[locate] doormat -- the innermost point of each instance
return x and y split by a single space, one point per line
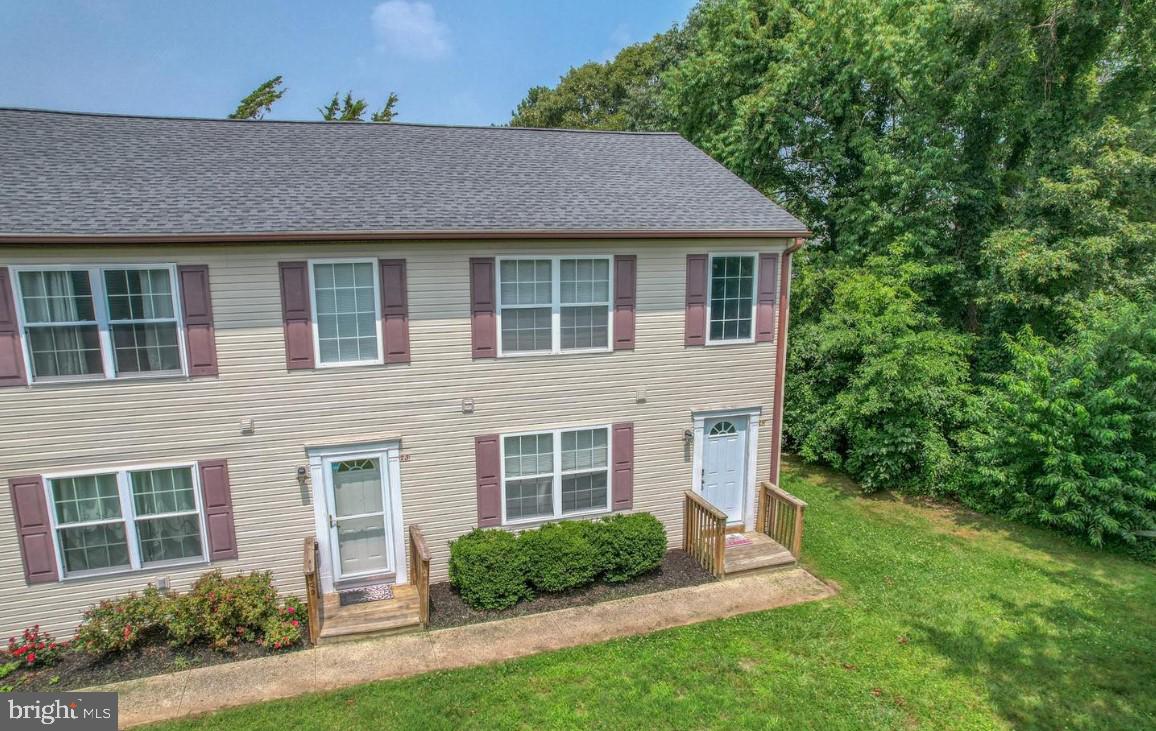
738 539
363 594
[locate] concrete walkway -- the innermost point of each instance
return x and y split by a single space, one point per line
328 667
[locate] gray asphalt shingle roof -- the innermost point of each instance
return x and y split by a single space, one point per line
87 174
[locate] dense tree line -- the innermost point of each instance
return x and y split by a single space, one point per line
975 315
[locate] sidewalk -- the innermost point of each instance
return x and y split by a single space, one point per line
328 667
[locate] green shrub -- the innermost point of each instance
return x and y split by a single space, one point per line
224 610
1067 441
629 545
489 569
561 556
283 629
121 624
217 610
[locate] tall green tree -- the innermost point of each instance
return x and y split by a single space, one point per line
259 101
970 169
1070 436
621 94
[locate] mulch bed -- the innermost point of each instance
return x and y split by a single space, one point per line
678 569
81 670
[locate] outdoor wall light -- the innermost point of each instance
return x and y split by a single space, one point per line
688 437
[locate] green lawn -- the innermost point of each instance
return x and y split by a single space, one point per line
946 620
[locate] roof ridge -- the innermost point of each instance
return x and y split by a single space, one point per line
116 115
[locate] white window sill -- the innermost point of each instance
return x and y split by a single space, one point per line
547 353
716 343
528 523
150 568
166 376
348 364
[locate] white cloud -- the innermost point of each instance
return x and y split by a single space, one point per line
410 28
619 39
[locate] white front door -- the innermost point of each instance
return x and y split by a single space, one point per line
724 464
357 492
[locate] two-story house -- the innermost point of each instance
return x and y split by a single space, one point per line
221 338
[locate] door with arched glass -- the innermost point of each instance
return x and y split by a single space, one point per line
724 464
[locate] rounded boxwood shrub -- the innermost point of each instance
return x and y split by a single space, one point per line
629 545
488 568
561 556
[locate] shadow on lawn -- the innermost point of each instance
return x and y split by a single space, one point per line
1058 667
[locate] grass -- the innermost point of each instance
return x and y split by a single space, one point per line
946 620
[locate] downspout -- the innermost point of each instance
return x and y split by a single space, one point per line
781 357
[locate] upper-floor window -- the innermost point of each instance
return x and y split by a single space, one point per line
346 312
114 321
554 474
554 304
126 519
732 301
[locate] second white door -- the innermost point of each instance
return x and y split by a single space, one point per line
724 464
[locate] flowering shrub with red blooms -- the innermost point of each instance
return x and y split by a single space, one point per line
35 648
225 610
284 630
218 610
121 624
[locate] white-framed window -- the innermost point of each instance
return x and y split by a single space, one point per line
554 304
555 474
346 303
126 519
99 322
732 298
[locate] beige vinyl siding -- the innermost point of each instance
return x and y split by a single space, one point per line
64 427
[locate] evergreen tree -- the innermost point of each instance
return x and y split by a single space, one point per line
259 101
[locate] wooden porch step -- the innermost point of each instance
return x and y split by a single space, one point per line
762 553
356 621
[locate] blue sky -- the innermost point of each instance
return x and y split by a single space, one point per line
450 61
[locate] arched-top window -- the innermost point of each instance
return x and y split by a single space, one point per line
722 428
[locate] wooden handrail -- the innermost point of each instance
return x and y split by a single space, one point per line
419 571
780 516
704 533
313 600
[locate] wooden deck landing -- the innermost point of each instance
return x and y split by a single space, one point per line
384 617
762 553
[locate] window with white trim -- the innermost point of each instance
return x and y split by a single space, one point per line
554 474
554 304
346 312
127 519
81 323
732 298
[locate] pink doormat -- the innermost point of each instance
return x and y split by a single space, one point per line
737 539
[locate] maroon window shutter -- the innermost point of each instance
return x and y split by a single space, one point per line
295 309
483 312
622 480
200 336
696 286
488 463
765 307
11 352
625 294
217 499
30 506
394 311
